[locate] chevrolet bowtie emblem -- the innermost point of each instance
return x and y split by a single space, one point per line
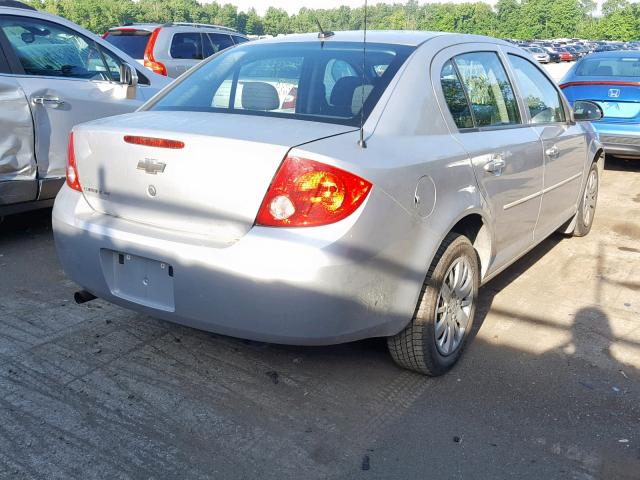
151 166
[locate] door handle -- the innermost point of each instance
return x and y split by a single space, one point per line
552 152
495 165
53 101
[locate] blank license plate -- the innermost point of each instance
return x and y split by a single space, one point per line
143 280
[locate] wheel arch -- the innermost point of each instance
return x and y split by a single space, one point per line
476 227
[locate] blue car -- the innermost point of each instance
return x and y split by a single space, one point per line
612 80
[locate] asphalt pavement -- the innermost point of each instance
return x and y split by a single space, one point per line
549 389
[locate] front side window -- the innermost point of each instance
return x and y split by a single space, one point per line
113 64
186 46
493 102
303 80
455 96
47 49
540 96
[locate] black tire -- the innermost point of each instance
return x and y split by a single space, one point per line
588 199
415 347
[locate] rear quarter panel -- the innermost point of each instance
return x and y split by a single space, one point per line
409 150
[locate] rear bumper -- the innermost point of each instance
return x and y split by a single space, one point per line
622 139
274 285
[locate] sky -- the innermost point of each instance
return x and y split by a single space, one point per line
292 6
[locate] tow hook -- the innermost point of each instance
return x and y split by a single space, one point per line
82 296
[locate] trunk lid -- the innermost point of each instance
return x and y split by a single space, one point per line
619 100
212 187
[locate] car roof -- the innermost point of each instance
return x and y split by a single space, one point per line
412 38
180 25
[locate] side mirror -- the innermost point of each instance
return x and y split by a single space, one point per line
128 75
585 111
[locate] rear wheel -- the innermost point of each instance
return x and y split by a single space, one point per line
433 342
588 202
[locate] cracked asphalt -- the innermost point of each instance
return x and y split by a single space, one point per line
550 388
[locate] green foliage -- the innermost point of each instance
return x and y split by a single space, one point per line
523 19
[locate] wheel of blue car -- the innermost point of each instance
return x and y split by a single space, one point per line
434 339
588 203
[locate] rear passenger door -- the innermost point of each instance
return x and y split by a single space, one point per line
506 153
563 144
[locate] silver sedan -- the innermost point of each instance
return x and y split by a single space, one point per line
304 190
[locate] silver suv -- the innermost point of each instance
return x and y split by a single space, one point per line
173 48
54 75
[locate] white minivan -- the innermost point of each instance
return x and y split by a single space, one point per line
54 75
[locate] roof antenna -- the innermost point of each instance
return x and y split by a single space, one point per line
323 34
361 141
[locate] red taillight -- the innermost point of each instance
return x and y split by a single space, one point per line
105 34
149 60
154 142
306 193
73 180
601 82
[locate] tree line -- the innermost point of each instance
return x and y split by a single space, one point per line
517 19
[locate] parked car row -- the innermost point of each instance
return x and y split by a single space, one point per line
570 50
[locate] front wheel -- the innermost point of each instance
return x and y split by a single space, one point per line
588 202
434 339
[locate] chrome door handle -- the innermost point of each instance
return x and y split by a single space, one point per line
54 101
552 152
496 165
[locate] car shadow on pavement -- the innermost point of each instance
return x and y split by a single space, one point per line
25 224
621 164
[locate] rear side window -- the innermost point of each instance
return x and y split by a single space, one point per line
187 46
303 80
47 49
488 89
455 96
214 42
132 42
239 39
540 96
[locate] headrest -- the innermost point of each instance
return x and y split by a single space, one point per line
604 70
259 96
342 93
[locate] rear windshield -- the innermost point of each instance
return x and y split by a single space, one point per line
305 80
131 42
609 66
